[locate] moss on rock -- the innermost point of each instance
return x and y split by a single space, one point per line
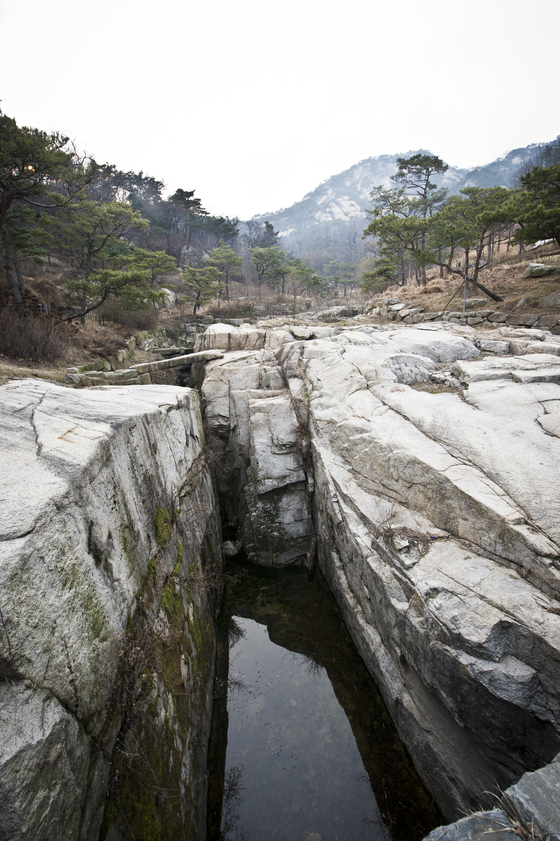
163 527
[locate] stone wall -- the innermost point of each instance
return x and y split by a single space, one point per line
109 570
478 317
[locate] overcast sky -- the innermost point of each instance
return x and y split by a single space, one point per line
253 104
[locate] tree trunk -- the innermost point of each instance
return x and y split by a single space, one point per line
485 290
18 272
9 266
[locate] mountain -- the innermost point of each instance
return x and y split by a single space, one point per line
328 223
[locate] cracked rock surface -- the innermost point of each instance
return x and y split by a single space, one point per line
432 485
85 479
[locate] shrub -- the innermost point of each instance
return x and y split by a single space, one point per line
133 320
231 309
38 338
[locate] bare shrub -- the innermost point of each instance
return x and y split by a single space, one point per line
231 309
39 338
132 320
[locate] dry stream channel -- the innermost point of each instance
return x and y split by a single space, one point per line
302 747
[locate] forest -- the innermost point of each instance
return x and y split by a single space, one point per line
125 246
119 235
415 225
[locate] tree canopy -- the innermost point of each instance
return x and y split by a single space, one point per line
40 170
416 221
536 206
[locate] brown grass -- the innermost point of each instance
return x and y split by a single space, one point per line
31 337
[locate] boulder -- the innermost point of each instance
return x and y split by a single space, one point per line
276 521
337 313
552 300
169 298
492 346
538 270
229 338
546 322
44 761
525 320
535 800
494 824
475 303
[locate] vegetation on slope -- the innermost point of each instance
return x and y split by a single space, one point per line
92 254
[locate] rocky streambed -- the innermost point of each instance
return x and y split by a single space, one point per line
420 468
416 465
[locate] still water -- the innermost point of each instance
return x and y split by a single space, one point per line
303 748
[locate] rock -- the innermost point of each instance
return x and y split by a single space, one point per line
523 334
548 321
87 546
529 810
336 313
307 333
262 439
434 343
437 524
505 369
169 298
535 799
175 362
44 760
480 825
230 549
538 270
525 348
492 346
551 423
475 303
228 338
526 320
552 300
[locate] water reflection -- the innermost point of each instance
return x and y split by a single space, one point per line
311 751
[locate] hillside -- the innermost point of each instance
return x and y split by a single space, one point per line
328 223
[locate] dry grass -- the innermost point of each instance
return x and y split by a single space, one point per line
13 369
504 278
31 337
95 339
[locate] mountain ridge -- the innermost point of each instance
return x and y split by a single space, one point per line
336 208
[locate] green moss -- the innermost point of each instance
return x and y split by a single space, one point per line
173 604
74 579
162 525
147 782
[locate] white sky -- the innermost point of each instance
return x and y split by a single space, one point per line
253 103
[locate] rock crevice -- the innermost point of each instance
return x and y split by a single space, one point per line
432 490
